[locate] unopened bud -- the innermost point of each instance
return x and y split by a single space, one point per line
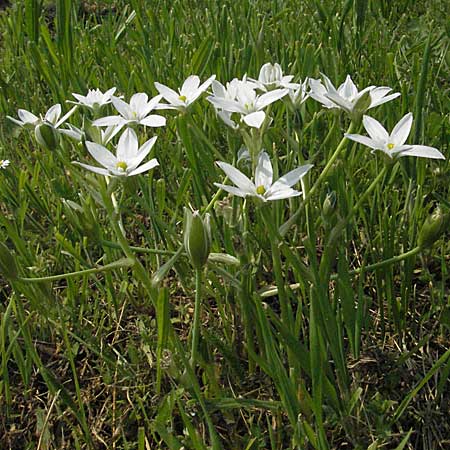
47 136
197 237
8 265
329 206
161 194
433 227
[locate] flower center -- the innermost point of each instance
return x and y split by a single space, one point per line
122 166
390 146
183 98
261 190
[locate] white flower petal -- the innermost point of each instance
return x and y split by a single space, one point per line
101 154
375 129
138 102
109 93
218 89
205 85
27 117
264 171
339 101
270 97
141 154
153 120
17 122
190 85
255 119
423 151
385 99
226 117
401 131
349 90
127 146
232 190
397 149
282 194
80 98
289 179
109 121
238 178
98 170
145 167
363 140
111 131
150 105
52 115
74 134
168 94
226 105
66 116
122 107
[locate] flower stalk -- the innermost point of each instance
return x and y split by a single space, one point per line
124 262
197 311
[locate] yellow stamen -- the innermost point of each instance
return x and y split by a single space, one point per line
390 146
122 166
261 190
183 98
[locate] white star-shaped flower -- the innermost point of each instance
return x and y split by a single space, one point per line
128 156
189 92
393 144
94 99
346 96
52 117
271 77
247 102
4 163
300 94
263 186
137 112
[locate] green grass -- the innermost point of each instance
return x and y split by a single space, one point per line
307 341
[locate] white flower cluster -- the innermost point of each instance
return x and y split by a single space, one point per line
240 103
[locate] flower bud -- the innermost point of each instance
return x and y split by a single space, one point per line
8 265
161 194
197 237
47 136
329 206
433 227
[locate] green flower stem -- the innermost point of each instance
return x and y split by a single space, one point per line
197 310
386 262
286 312
140 271
285 227
116 209
151 251
245 292
125 262
270 292
253 141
